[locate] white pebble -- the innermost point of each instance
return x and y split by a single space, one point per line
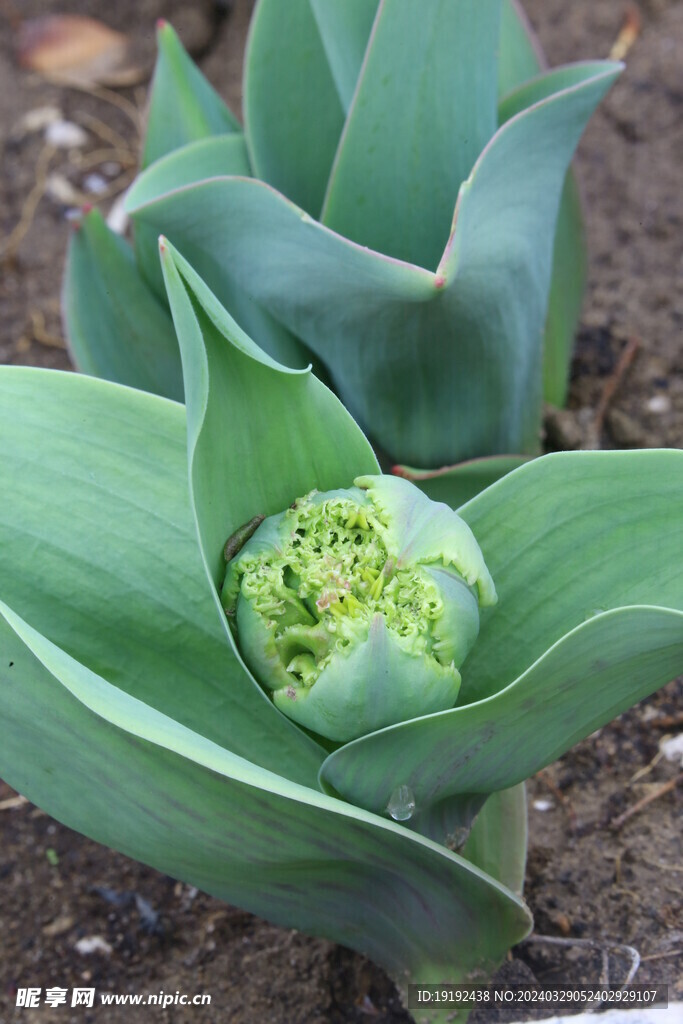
65 135
92 944
95 184
60 189
40 117
659 403
543 805
672 748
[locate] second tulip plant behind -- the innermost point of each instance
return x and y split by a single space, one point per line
155 623
396 207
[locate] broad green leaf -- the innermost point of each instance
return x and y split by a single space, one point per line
161 793
259 435
424 108
98 549
448 820
497 842
437 369
570 272
455 485
545 85
183 106
504 235
344 27
292 112
591 675
519 54
566 536
116 326
521 59
200 161
196 161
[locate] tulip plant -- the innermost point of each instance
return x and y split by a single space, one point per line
326 224
173 578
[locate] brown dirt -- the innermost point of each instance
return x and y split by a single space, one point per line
584 879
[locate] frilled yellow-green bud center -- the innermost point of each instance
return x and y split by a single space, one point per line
348 627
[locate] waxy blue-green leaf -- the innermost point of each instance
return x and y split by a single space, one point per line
521 59
197 812
291 104
116 327
566 540
206 158
423 110
567 288
294 435
544 85
519 54
387 330
98 549
498 840
198 161
593 674
566 537
183 106
344 27
502 238
447 820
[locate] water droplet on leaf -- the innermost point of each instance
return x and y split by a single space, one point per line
401 804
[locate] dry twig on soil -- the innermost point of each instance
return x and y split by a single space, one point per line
626 357
662 790
21 228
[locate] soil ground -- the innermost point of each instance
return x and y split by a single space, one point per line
585 879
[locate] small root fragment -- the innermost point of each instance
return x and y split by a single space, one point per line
612 383
28 211
41 335
102 130
647 768
661 866
662 956
666 721
101 92
124 157
628 33
667 787
12 802
604 948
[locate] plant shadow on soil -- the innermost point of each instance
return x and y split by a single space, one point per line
584 880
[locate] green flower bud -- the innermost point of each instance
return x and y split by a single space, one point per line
357 607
